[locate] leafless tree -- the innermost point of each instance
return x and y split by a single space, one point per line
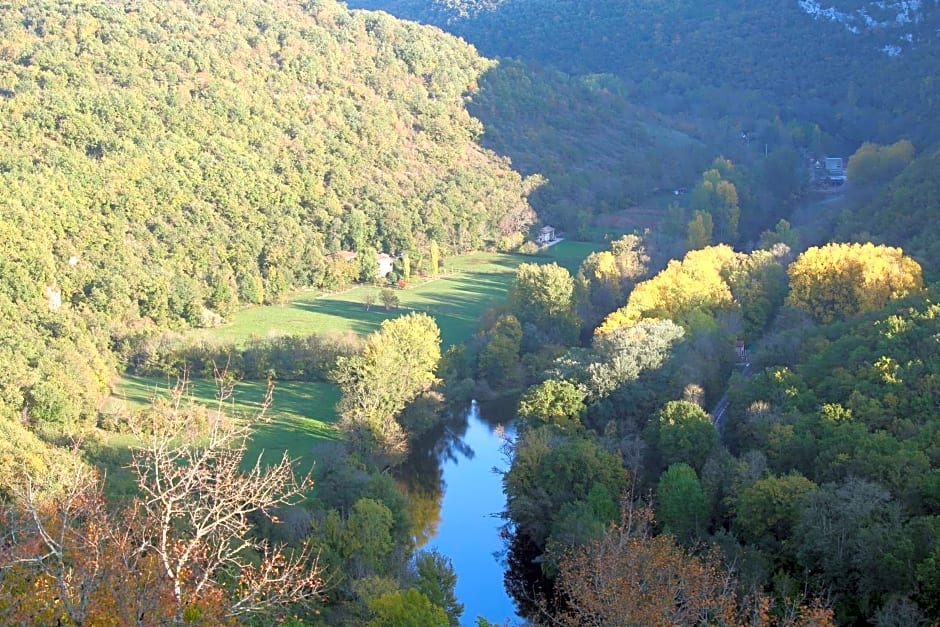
183 545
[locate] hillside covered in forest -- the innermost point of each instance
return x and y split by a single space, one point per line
165 163
904 213
860 70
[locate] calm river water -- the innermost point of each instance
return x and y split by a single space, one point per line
461 461
458 496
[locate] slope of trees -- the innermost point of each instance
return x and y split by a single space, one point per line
162 165
904 214
596 149
711 59
845 437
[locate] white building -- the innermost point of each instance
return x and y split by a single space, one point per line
546 235
385 263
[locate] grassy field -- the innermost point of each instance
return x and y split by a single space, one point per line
569 254
471 284
302 415
456 299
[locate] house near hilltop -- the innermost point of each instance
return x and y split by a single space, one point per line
828 174
835 170
344 255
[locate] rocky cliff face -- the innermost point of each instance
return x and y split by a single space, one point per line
896 24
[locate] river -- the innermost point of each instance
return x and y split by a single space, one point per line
459 461
458 496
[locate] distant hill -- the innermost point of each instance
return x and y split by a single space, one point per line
165 162
861 70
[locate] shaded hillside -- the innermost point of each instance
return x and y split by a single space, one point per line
722 58
164 162
598 152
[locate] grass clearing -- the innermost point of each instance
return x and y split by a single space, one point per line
456 300
471 284
301 417
568 254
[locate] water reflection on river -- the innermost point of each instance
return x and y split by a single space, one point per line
463 523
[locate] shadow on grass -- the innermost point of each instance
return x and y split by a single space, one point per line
353 313
569 254
456 303
509 262
301 416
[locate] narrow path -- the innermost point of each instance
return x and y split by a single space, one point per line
721 407
815 219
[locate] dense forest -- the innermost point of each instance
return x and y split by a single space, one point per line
163 165
729 416
813 480
742 62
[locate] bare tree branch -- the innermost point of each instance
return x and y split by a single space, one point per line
184 543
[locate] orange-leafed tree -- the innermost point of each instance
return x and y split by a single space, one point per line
67 559
631 577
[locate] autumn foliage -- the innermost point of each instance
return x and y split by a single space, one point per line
181 551
630 577
837 281
695 283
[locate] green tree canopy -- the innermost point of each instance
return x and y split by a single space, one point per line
436 580
553 402
398 362
406 608
872 164
767 511
620 356
498 360
682 506
683 432
550 470
717 196
605 276
543 295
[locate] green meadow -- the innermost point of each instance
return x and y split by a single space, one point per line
302 414
569 254
468 286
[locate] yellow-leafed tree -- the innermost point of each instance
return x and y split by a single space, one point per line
838 281
695 283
